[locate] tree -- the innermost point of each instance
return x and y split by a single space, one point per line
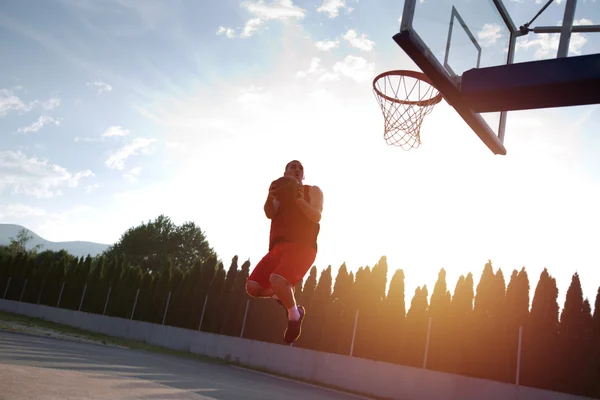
394 312
150 245
461 332
516 314
489 301
574 345
538 363
415 333
19 244
439 311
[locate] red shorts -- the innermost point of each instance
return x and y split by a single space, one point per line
291 261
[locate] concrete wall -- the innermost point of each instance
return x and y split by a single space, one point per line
370 377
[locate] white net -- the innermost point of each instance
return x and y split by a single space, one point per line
405 98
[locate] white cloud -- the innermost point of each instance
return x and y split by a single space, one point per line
86 139
360 42
35 177
326 45
251 26
281 10
252 95
278 9
353 67
102 86
332 7
546 45
116 159
489 34
20 211
356 68
230 33
91 188
133 174
39 124
115 131
314 68
10 102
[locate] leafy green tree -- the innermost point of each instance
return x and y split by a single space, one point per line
392 322
19 243
150 245
538 363
320 310
574 341
441 319
340 321
416 325
237 302
487 323
461 331
516 315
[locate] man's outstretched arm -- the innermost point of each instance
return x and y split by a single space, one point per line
313 209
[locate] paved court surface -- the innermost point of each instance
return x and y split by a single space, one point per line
45 368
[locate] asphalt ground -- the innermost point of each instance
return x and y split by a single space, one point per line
34 367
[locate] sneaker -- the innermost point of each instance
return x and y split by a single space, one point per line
294 328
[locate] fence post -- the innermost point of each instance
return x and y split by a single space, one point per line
202 316
354 333
519 356
6 289
134 303
166 308
245 315
41 291
82 296
60 295
23 290
427 344
106 302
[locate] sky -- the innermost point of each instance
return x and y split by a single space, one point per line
113 112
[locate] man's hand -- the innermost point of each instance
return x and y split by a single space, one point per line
271 195
300 191
269 206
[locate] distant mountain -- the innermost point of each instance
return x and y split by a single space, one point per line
77 248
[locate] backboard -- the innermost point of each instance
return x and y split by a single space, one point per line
467 50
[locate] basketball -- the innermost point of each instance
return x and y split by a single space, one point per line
285 189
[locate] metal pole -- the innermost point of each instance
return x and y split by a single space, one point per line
23 290
6 289
245 315
106 302
567 26
354 333
41 291
60 295
519 356
82 296
427 344
203 309
134 303
166 308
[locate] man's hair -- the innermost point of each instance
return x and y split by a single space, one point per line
293 161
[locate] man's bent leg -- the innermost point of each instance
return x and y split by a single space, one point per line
295 262
284 292
258 284
255 289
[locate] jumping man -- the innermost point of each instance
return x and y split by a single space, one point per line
292 249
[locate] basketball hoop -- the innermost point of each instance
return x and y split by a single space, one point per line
404 111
